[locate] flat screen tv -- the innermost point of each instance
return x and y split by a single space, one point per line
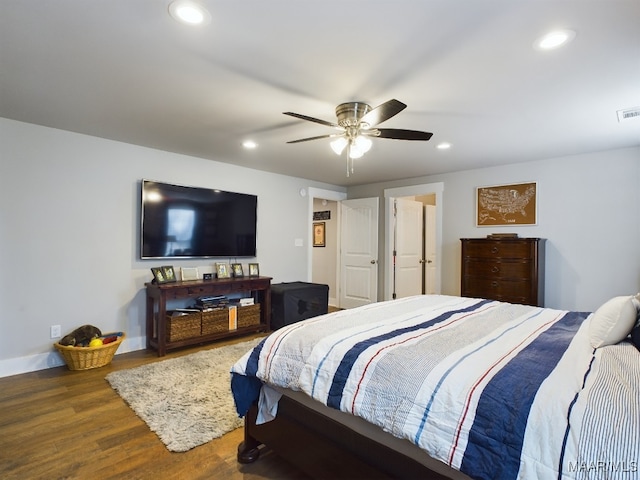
191 222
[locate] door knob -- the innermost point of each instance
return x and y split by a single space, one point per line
373 262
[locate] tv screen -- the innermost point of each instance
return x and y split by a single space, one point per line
191 222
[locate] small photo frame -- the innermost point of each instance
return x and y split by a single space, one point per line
236 270
254 270
158 275
207 276
169 274
222 270
319 234
188 273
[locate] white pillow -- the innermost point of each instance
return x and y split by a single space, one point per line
613 321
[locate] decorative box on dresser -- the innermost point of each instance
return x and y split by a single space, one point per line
505 269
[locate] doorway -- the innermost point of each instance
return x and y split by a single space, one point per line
325 251
436 189
322 264
414 259
433 251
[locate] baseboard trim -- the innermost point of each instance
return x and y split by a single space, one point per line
52 359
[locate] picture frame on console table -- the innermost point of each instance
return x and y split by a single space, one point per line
169 274
222 270
188 273
160 277
254 270
236 270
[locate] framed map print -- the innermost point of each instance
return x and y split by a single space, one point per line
503 205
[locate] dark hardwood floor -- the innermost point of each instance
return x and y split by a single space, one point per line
62 424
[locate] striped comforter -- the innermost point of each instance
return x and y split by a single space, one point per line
495 390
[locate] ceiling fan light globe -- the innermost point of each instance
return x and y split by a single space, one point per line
338 145
355 152
363 143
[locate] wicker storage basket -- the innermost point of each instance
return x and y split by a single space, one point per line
215 321
249 316
183 326
84 358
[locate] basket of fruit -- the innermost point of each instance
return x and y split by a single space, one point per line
98 353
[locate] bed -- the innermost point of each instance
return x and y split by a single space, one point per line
437 386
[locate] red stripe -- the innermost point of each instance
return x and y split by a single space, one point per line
427 332
278 337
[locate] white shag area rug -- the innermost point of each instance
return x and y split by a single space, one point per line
187 400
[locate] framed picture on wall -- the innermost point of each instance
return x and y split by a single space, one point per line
503 205
319 234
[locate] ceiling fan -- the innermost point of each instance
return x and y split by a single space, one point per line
357 121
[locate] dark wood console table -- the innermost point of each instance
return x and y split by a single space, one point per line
158 295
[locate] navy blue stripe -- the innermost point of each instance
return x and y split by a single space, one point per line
497 435
252 364
343 371
246 388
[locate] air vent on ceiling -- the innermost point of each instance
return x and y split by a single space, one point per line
628 114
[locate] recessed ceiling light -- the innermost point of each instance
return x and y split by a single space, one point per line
554 39
249 144
443 146
191 13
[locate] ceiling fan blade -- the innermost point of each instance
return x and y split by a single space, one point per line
383 112
311 119
400 134
315 138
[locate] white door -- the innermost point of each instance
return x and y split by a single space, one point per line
408 247
430 256
358 252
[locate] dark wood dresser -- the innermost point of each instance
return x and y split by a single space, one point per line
505 269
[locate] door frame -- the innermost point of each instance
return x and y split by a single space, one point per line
414 190
326 195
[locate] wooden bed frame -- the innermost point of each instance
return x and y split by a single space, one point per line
315 443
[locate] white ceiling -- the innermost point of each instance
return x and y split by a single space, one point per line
125 70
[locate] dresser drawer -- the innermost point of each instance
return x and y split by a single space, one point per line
497 249
498 269
506 290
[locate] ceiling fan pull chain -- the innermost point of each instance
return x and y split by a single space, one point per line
349 159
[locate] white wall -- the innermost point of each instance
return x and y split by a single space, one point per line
587 210
69 230
69 234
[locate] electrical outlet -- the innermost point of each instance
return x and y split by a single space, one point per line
56 331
